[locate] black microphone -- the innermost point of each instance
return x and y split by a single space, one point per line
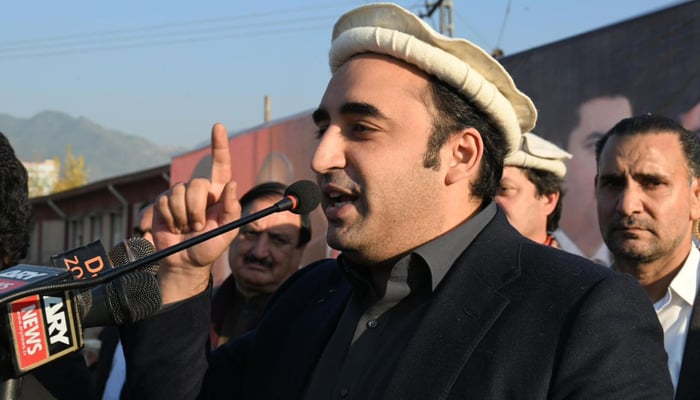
300 197
303 195
127 299
132 249
44 327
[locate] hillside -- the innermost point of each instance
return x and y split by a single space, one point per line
107 152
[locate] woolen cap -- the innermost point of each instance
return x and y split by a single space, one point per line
388 29
537 153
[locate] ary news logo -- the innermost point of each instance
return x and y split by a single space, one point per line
42 329
21 275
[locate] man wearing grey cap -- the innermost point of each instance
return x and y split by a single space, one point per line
531 188
434 295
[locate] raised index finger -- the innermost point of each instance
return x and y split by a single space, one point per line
221 157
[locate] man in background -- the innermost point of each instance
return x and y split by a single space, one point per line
648 192
262 256
531 188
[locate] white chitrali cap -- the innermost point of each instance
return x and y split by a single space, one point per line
388 29
537 153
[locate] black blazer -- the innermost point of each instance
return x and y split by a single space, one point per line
688 382
511 319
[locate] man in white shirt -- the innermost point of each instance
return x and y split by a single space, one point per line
648 194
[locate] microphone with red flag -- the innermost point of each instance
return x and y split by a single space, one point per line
111 300
43 327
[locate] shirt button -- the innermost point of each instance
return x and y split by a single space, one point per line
372 323
344 392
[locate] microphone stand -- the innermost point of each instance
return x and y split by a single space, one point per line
282 205
11 388
300 197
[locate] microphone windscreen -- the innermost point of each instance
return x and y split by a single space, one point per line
127 299
139 299
308 196
133 249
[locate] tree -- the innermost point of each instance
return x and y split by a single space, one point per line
73 171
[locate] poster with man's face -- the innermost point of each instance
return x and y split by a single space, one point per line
584 85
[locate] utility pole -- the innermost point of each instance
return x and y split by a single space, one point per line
446 22
446 14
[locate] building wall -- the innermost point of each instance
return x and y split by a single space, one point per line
102 211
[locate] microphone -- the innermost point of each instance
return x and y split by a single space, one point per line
132 249
129 298
45 327
303 195
37 329
300 197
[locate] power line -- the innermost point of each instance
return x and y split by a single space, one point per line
167 34
431 8
471 28
503 25
248 17
160 43
160 38
127 35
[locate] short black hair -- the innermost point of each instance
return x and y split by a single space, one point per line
652 124
15 209
546 182
454 113
268 190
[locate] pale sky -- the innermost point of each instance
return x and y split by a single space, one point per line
168 70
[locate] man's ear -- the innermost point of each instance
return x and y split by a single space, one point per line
695 199
551 200
465 153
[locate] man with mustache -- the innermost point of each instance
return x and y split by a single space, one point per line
262 256
434 295
648 193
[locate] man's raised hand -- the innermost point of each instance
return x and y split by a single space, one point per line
190 209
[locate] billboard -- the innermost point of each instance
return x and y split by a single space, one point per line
583 85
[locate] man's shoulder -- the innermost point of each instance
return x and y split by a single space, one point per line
556 276
318 275
545 260
319 270
507 255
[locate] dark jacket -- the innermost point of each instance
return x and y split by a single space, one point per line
512 319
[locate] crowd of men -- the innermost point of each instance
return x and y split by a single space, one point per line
450 282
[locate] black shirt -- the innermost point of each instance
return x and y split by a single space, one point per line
374 329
